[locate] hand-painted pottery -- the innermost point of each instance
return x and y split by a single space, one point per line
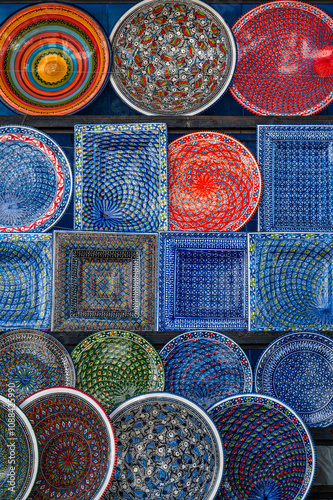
170 58
31 360
168 449
54 60
269 454
18 451
115 365
205 367
285 59
214 183
77 445
298 369
35 180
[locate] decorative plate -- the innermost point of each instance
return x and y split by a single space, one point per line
214 183
25 280
202 281
31 360
285 59
205 367
268 450
121 177
170 58
298 369
116 365
77 444
290 281
18 451
168 448
35 180
55 59
297 170
104 281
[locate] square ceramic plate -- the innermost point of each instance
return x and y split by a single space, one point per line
291 281
296 162
121 177
25 280
202 280
103 280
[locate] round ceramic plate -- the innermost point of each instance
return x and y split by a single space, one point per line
31 360
77 444
55 60
205 367
285 59
35 180
171 58
269 452
169 449
18 451
114 365
214 183
297 368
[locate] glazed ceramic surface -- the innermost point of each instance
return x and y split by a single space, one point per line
35 180
296 163
214 183
268 450
170 58
121 177
202 281
290 281
104 281
205 367
18 452
115 365
55 59
32 360
25 280
77 445
297 369
168 449
285 55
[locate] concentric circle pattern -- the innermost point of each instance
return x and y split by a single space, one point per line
205 367
269 451
284 62
172 58
214 183
54 60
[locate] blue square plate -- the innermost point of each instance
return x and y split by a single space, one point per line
291 281
296 162
202 280
121 177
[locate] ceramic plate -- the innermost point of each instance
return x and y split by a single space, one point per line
214 183
297 369
116 365
205 367
18 451
268 450
202 281
170 58
32 360
35 180
168 448
121 177
55 59
76 441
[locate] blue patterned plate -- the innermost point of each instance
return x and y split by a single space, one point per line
298 369
268 450
205 367
168 449
121 177
18 451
